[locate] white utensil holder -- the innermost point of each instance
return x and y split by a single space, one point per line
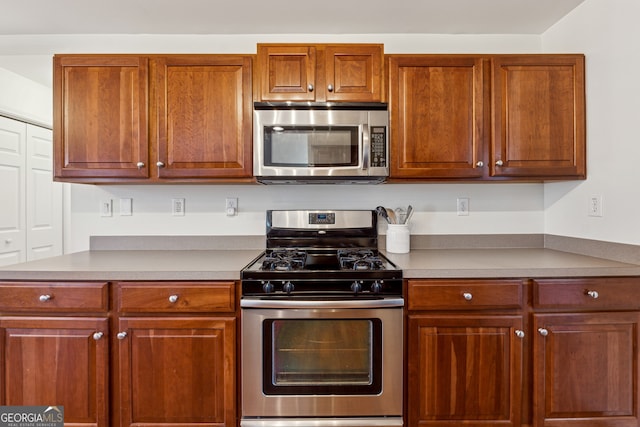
398 238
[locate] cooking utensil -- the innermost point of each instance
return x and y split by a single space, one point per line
409 213
392 216
382 211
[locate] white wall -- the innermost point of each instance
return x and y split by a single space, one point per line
608 33
24 99
494 208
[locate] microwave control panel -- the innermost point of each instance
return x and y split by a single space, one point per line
378 135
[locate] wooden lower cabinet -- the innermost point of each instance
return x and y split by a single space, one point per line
176 371
464 369
59 361
586 369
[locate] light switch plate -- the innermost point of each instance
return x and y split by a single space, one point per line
126 208
105 208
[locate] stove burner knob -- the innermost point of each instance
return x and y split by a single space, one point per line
356 287
376 287
288 287
268 287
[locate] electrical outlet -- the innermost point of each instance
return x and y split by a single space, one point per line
231 206
595 205
177 208
463 206
105 208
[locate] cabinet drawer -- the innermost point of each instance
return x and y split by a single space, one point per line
587 293
53 297
464 294
176 297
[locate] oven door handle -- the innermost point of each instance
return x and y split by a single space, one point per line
307 304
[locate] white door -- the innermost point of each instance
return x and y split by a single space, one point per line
44 197
12 191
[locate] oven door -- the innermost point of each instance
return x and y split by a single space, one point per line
322 358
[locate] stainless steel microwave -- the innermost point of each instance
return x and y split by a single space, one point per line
344 143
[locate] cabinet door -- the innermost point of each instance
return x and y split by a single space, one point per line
287 72
100 117
177 371
539 116
12 191
586 369
204 106
56 361
464 369
437 116
354 73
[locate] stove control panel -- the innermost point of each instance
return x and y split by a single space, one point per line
322 218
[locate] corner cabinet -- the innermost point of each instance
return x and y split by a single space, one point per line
487 117
319 73
465 352
140 119
538 116
585 352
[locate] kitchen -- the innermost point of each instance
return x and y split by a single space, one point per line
558 208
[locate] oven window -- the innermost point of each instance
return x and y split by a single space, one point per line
311 146
322 356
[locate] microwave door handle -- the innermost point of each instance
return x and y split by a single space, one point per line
366 147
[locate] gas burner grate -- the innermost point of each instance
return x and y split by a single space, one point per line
284 260
359 259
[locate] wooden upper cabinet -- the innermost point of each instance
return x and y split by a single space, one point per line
437 115
319 73
100 116
538 116
204 112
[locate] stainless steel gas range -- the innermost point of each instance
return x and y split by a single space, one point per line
322 329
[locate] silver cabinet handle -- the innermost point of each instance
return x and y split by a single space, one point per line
140 165
121 335
593 294
468 296
330 88
310 87
480 164
160 164
543 332
499 163
44 298
97 335
519 333
173 298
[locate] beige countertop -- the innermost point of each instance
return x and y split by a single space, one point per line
135 265
512 262
219 264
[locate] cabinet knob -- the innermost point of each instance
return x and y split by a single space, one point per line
44 298
8 241
480 164
499 163
160 164
330 88
519 333
593 294
140 165
468 296
173 298
543 332
97 335
121 335
310 87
